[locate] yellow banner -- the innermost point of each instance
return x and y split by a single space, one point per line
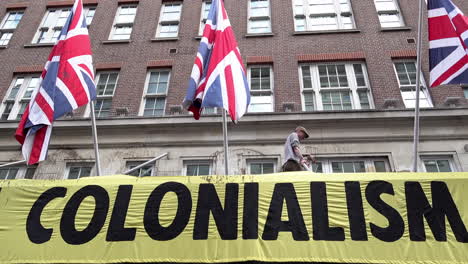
295 217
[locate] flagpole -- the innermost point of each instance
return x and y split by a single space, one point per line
95 139
226 144
418 89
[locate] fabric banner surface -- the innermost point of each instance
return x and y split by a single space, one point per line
292 217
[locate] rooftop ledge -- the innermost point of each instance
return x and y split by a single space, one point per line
325 116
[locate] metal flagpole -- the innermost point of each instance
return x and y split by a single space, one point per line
95 139
226 145
418 89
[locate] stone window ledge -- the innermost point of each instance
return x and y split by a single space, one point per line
320 32
123 41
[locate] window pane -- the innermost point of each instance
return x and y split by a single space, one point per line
30 173
358 72
380 166
260 26
14 91
261 103
7 111
255 168
431 166
204 170
5 38
192 170
364 99
268 168
465 91
348 167
74 173
444 166
317 167
85 172
13 19
306 77
337 167
309 101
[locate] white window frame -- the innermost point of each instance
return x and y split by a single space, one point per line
157 95
22 171
270 92
396 12
4 30
162 22
251 19
134 163
449 158
368 163
18 99
103 97
307 15
425 90
197 163
81 165
86 12
353 87
50 31
249 163
202 18
116 24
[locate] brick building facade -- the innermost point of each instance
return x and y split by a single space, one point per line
342 68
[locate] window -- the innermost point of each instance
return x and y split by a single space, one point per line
206 6
8 26
78 170
89 14
438 164
261 89
259 17
197 168
23 172
261 166
406 73
8 173
123 22
18 97
169 20
465 91
53 22
389 13
106 84
144 171
342 86
154 98
351 165
320 15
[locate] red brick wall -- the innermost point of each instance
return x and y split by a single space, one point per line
284 50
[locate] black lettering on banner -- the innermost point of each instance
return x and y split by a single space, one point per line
250 218
117 230
151 219
37 233
226 219
68 221
320 222
274 224
396 226
357 222
443 206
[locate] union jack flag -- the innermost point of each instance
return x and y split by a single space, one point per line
218 77
448 40
67 83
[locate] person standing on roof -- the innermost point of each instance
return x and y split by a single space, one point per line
293 158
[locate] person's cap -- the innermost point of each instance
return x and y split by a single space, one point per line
300 128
